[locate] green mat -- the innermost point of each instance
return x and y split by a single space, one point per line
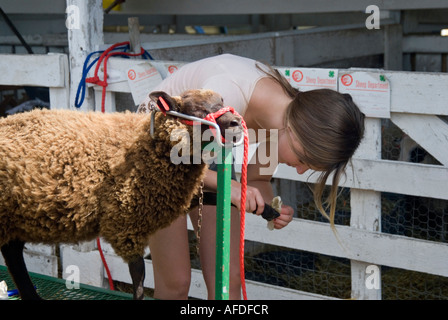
50 288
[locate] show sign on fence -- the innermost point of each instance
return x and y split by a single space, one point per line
369 90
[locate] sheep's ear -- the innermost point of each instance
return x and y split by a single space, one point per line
164 101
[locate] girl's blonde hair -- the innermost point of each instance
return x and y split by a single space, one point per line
329 126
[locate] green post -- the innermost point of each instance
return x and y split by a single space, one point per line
223 224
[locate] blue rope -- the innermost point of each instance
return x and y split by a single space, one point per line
81 91
82 84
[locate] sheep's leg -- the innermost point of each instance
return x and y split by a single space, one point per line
13 254
137 271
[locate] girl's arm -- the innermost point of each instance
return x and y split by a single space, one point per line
254 199
259 176
259 191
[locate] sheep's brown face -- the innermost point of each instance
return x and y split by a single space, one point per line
201 102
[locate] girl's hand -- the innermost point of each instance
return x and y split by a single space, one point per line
254 199
255 202
285 217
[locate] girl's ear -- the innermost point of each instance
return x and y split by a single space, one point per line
165 102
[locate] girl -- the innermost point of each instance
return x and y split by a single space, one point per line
318 130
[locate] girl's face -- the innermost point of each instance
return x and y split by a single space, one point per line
287 155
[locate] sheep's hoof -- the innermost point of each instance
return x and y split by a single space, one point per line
28 297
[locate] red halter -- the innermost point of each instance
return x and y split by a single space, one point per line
211 117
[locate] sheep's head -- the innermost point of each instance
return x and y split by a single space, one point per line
199 103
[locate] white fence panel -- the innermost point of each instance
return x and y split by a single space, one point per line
428 131
386 176
417 99
37 70
50 70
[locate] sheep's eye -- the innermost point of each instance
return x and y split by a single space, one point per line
216 107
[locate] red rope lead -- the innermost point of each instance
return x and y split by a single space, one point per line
109 276
106 55
212 118
243 207
96 80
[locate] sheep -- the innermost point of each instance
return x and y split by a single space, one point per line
68 176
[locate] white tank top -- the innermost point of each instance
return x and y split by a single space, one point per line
233 77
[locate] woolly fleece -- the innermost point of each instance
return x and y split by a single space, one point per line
68 176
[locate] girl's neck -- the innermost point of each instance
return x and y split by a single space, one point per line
267 106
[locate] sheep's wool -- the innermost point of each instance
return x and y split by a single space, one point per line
68 176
